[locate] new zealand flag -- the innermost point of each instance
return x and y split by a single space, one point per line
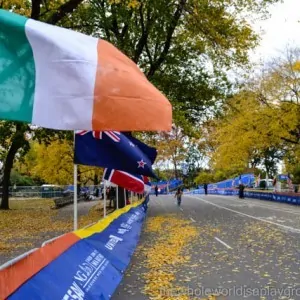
114 150
130 182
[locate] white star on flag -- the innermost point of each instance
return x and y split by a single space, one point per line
141 164
131 144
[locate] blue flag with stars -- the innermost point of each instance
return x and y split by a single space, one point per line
114 150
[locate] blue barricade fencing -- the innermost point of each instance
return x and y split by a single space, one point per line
276 197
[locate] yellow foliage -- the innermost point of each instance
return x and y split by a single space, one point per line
249 127
204 177
161 260
129 3
263 116
54 164
22 7
21 226
296 66
133 4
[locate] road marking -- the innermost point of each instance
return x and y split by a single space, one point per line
181 209
223 243
156 201
254 203
249 216
192 220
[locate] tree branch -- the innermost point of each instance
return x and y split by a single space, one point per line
145 33
290 141
35 9
155 66
79 26
125 28
63 10
115 26
100 5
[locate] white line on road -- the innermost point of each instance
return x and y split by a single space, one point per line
254 203
249 216
192 220
156 201
223 243
181 209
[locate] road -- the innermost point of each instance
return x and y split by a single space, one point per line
247 249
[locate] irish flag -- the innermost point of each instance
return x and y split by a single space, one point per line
61 79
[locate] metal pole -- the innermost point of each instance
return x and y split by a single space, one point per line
104 201
75 200
117 197
75 208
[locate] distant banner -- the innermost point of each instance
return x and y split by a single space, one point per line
276 197
91 268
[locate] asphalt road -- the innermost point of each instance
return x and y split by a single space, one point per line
246 249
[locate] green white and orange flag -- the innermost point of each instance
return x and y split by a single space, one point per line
61 79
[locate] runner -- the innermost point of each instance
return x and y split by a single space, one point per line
178 196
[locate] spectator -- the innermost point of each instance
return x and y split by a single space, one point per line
241 191
156 190
205 188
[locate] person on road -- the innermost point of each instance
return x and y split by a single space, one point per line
205 188
178 195
156 190
241 191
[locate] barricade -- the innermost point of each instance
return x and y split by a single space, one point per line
85 264
276 197
63 201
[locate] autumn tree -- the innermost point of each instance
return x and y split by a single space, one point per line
292 163
260 124
53 163
174 41
204 177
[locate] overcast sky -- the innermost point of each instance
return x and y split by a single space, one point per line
282 28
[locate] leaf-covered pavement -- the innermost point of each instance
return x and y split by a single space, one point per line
261 263
31 222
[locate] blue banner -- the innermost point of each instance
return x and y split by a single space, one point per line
92 268
255 195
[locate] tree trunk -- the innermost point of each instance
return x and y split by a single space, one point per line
175 169
96 181
35 9
6 176
63 10
17 142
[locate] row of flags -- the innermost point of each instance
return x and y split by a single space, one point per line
127 161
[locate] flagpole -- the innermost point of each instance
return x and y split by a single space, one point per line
75 207
104 201
117 197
